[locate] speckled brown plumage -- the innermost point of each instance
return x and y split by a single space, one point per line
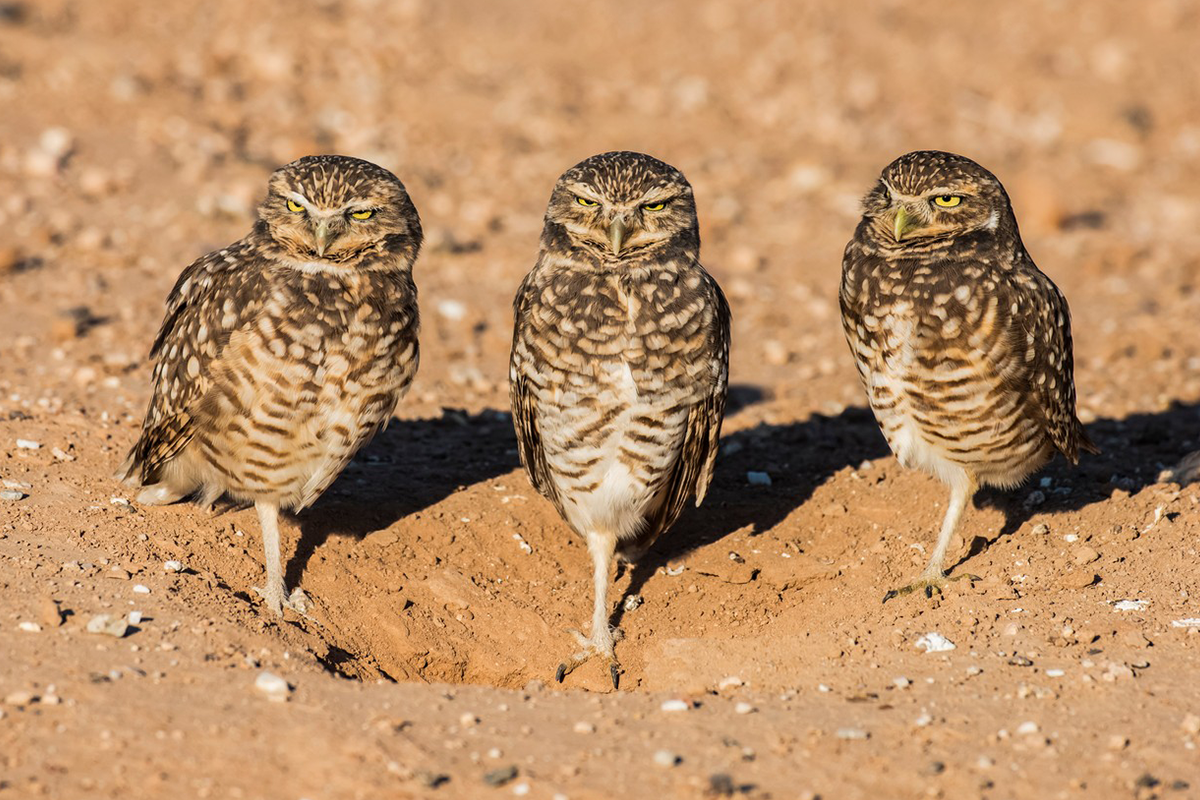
619 363
963 345
282 354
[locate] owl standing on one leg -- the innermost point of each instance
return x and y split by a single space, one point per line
619 364
963 345
282 354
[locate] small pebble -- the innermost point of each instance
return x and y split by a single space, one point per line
1054 673
633 601
501 776
1117 742
172 566
744 708
1041 529
852 733
28 444
1026 728
758 479
468 720
274 687
675 705
452 310
1130 605
31 627
901 683
19 698
584 727
730 682
12 494
106 625
134 617
141 589
665 758
934 642
521 789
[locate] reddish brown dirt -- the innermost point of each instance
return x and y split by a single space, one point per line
164 122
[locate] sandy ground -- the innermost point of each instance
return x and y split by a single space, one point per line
136 137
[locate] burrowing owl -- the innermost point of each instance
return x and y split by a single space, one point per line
282 354
619 364
963 345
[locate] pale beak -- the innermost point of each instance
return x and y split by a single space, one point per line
616 235
903 225
322 236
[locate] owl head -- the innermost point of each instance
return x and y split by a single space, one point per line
928 196
620 207
340 212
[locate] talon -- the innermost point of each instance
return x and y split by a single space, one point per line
928 592
615 673
890 594
560 673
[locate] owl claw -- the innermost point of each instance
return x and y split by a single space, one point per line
591 649
929 586
278 599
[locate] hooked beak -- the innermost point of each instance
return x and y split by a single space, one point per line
903 223
616 235
322 237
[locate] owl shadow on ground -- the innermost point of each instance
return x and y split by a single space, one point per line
1133 452
797 456
410 466
415 464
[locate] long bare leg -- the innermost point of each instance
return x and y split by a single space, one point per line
600 643
275 594
934 576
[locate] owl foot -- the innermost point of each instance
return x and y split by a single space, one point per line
593 647
278 599
931 585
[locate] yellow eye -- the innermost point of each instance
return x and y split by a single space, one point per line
583 201
654 206
295 207
367 214
947 200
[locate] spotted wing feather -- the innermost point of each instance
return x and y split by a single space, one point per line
214 296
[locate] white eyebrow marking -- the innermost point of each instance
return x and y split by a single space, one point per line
301 199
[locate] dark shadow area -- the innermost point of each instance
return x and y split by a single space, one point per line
743 395
798 457
407 468
1134 451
